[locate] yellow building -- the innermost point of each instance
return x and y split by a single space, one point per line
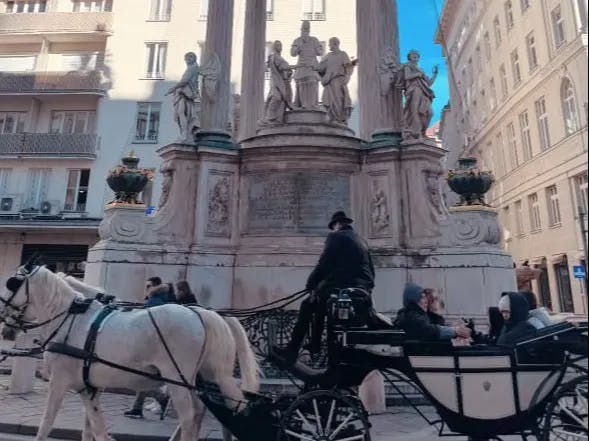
518 81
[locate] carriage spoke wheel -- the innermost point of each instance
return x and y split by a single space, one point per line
325 416
566 415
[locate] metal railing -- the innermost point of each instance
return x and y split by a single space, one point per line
54 82
33 144
56 22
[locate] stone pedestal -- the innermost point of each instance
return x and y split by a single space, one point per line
22 377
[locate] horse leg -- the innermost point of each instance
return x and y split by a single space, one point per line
94 416
87 432
188 411
55 396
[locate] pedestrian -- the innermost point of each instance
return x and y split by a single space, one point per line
344 263
184 294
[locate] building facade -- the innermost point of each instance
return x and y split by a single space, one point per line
83 82
518 83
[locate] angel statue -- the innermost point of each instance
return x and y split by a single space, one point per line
187 94
419 97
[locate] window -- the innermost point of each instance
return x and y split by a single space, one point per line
76 62
497 31
542 116
515 68
156 60
67 122
487 45
28 6
204 9
534 205
5 174
532 55
12 122
92 5
525 5
76 193
519 217
569 107
493 92
524 124
18 63
581 190
512 141
160 10
502 166
554 217
313 9
504 87
37 187
269 9
148 122
557 26
508 14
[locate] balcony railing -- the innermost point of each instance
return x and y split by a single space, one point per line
48 144
56 22
51 82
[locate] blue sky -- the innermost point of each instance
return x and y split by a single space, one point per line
418 21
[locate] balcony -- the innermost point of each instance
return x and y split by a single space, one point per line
79 145
19 83
57 23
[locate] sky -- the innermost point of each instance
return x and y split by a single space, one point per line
418 22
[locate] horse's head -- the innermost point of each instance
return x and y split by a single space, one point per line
15 301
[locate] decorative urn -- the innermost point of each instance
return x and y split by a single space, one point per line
469 182
127 181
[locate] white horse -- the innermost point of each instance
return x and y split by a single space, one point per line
200 341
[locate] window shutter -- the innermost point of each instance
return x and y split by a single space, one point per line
307 8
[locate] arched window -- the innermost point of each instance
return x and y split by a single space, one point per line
569 107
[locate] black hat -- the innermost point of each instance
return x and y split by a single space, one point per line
339 216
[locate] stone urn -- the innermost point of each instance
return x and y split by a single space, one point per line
127 181
469 182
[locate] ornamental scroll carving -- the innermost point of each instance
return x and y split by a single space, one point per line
220 189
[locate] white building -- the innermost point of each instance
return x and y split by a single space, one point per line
83 82
518 80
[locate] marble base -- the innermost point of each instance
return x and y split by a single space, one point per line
300 122
214 139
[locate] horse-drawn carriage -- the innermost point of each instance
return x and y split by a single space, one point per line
535 387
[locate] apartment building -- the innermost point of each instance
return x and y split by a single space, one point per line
83 82
518 80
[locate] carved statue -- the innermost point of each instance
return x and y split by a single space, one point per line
380 211
219 200
187 94
280 95
390 71
335 70
168 173
419 97
434 191
307 49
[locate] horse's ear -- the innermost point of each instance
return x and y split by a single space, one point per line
33 260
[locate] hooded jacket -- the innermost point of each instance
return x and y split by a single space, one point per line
517 326
415 321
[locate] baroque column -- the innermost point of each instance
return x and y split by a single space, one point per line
215 110
377 25
252 76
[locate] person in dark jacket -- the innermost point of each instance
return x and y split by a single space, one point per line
415 321
434 307
514 307
344 263
184 295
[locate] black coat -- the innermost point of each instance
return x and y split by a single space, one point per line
344 263
517 327
416 324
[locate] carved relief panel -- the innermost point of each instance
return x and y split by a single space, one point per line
379 206
219 204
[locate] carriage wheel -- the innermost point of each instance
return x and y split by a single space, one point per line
566 415
325 416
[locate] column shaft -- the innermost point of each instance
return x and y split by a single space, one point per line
252 76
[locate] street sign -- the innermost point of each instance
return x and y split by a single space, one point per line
579 272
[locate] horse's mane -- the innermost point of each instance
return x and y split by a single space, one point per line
59 293
81 287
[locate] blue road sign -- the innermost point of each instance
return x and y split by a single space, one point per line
579 272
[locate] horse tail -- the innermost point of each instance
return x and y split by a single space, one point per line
248 363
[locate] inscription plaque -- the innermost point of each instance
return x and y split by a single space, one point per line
295 202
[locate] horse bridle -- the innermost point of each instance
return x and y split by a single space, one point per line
14 284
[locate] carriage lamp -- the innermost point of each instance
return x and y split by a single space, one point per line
344 308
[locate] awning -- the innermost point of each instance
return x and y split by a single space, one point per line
555 259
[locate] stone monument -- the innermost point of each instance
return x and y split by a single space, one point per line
307 48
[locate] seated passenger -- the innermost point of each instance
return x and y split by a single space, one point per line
414 320
514 308
434 307
538 317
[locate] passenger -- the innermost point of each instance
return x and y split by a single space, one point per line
434 307
157 292
184 294
414 320
514 308
496 323
538 317
171 293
